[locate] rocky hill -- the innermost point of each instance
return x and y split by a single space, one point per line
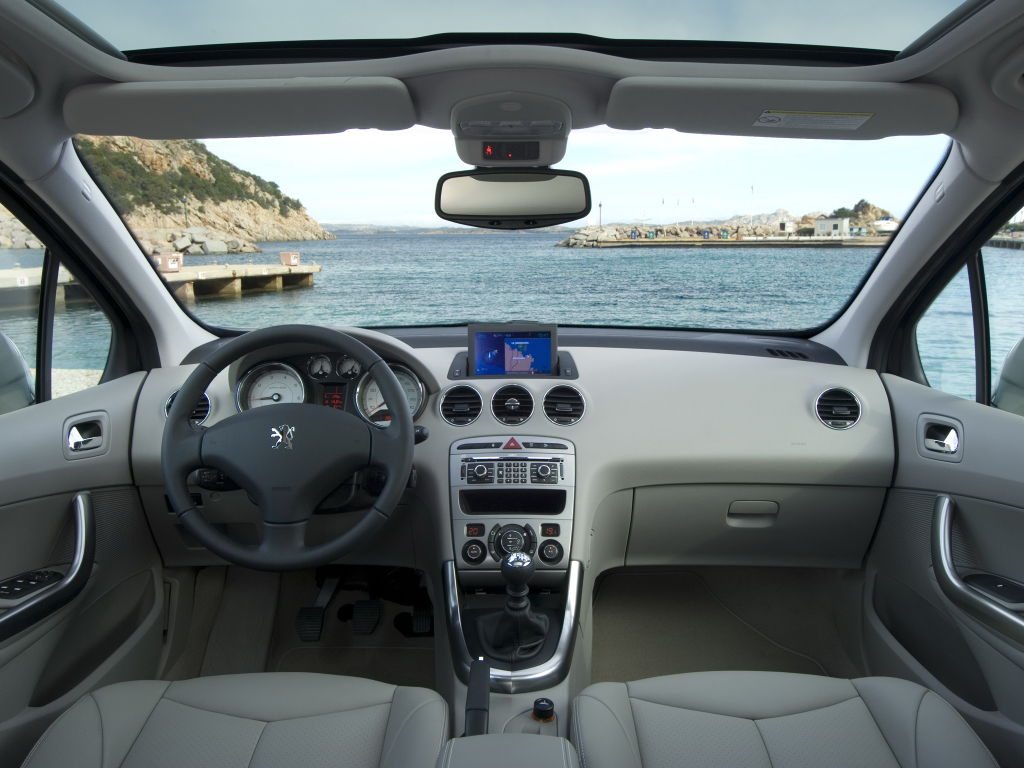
146 181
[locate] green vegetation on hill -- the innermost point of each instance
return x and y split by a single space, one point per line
132 185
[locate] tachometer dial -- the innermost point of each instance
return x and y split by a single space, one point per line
348 368
320 366
269 384
370 402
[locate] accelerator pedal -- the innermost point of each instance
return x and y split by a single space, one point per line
366 616
309 623
423 619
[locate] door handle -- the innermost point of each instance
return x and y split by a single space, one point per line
44 603
987 611
85 436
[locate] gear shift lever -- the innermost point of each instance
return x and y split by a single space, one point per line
515 633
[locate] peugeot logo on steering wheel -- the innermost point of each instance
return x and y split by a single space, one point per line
282 436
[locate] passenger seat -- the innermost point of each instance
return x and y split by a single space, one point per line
771 720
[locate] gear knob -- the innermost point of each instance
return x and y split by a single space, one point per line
517 569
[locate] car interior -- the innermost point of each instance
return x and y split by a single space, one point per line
788 542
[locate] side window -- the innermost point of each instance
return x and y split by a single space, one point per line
945 340
1004 281
54 338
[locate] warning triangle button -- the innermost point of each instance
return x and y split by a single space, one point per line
512 445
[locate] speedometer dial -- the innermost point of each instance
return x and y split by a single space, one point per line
269 384
370 402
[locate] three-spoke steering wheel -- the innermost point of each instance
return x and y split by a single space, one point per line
287 457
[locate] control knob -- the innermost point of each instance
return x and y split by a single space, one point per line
480 470
543 471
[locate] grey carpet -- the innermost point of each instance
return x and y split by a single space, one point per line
386 655
662 623
240 639
209 588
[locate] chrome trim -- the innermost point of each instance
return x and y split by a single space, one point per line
538 678
245 380
988 612
582 400
533 405
170 397
440 402
49 600
394 367
860 408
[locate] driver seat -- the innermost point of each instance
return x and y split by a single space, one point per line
257 720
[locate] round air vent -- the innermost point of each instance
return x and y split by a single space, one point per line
838 408
199 413
512 405
564 405
461 405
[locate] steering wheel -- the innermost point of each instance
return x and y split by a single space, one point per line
288 457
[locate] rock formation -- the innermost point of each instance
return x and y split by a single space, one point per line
146 181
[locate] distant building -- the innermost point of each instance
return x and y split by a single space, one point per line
860 231
831 227
786 227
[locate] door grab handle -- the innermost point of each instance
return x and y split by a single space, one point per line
972 601
43 604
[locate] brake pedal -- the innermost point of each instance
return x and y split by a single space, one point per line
309 623
366 616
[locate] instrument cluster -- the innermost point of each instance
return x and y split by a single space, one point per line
328 381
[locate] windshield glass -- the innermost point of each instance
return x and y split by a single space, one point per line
130 25
686 231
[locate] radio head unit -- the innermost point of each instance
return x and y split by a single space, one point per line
513 349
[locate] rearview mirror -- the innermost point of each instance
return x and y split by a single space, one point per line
512 198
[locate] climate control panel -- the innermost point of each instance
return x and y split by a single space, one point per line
512 494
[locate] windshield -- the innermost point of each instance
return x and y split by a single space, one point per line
686 231
130 25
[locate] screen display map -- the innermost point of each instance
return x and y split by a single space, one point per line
512 353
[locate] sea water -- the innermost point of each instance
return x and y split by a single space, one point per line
401 280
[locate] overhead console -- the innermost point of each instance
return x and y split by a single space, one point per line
511 494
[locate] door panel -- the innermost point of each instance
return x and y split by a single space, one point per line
980 671
113 629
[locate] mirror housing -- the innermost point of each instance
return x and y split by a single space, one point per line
512 198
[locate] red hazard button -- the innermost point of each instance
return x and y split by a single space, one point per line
512 445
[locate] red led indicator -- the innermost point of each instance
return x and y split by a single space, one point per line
488 151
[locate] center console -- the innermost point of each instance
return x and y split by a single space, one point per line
512 592
511 494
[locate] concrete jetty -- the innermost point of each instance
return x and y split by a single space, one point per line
234 279
733 242
19 287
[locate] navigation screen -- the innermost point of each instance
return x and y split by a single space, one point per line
512 352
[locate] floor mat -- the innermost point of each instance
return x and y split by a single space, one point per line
662 623
385 655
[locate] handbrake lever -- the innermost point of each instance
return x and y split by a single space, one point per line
478 698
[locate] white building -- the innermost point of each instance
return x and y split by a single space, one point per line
831 227
785 227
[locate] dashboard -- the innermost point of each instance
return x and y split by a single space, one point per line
670 449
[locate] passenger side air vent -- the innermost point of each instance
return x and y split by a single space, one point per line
512 404
461 406
199 413
564 405
838 408
789 354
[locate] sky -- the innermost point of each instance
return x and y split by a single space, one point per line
882 24
381 177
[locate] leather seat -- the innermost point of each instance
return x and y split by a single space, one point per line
771 720
258 720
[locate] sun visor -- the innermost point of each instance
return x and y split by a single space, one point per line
232 108
799 109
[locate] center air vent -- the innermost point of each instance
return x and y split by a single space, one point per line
838 408
461 405
564 405
199 413
512 404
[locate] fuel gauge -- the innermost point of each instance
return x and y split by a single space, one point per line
348 368
319 366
